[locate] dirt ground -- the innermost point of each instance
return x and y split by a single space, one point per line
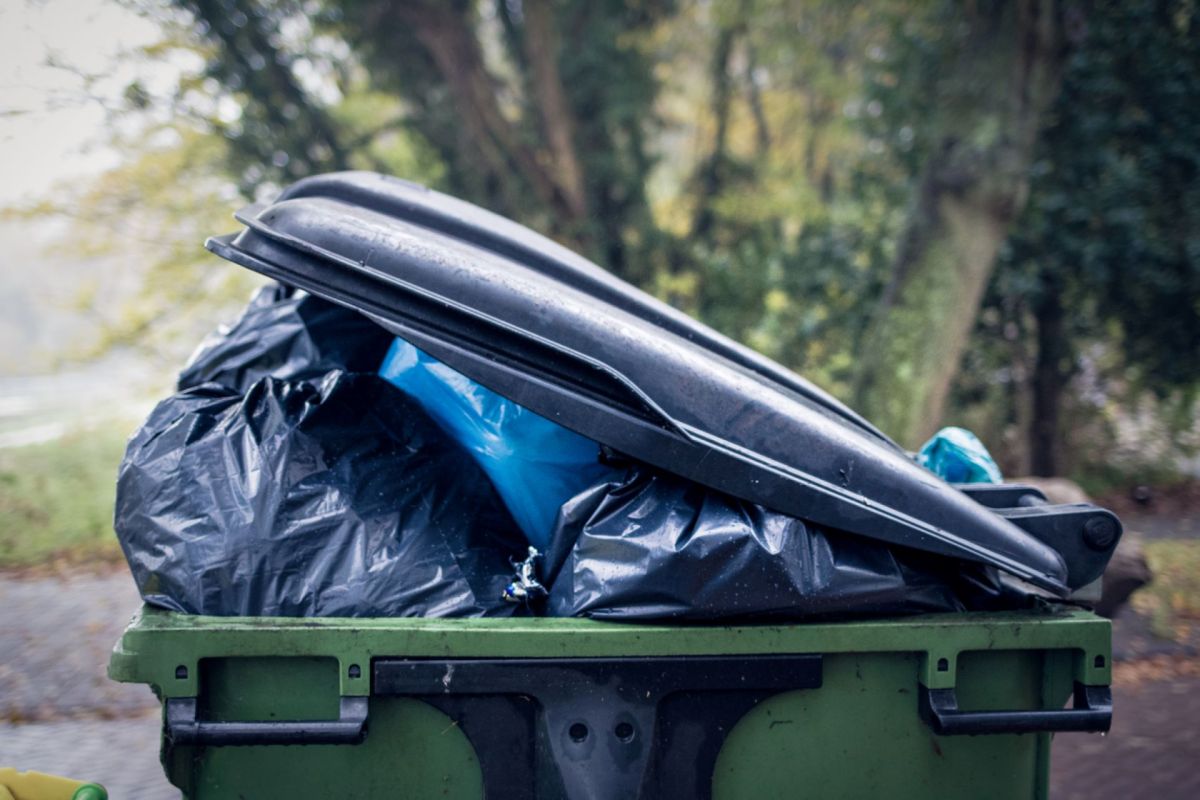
1153 748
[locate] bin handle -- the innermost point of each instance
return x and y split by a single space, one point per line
183 728
1091 713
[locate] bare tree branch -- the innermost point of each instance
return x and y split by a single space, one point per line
445 34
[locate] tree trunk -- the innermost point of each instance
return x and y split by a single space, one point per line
558 123
993 93
1048 379
762 130
712 174
451 43
254 56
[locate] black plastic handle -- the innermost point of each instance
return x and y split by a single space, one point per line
184 729
1092 713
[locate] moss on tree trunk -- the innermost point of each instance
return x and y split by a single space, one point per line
992 94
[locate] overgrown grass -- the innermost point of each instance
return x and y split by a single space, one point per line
56 499
1172 600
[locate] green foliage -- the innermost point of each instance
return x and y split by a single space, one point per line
475 103
1111 234
990 72
143 224
1115 203
751 162
789 203
800 212
283 132
800 221
56 499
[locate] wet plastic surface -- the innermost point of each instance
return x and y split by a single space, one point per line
956 455
326 495
648 546
286 334
496 234
536 465
602 360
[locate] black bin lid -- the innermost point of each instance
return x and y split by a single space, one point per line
560 336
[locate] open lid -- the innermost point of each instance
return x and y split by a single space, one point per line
472 224
558 335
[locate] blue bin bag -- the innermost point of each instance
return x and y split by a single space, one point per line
535 464
957 456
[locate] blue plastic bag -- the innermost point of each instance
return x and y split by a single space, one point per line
535 464
957 456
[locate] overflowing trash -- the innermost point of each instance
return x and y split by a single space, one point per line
451 416
287 335
535 464
308 495
652 546
304 470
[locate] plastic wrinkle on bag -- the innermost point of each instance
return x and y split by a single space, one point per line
535 464
293 475
320 492
652 546
957 456
286 333
333 497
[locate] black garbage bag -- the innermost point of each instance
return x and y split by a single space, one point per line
286 333
654 546
335 496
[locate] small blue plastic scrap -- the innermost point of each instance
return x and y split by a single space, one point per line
957 456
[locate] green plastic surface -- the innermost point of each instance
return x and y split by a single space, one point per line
413 750
858 735
90 791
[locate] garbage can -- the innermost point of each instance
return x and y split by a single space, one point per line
943 705
932 705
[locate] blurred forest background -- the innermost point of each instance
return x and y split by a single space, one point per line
980 213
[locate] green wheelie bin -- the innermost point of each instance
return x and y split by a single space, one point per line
659 705
944 705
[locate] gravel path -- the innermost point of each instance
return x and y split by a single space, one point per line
55 637
121 754
59 712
